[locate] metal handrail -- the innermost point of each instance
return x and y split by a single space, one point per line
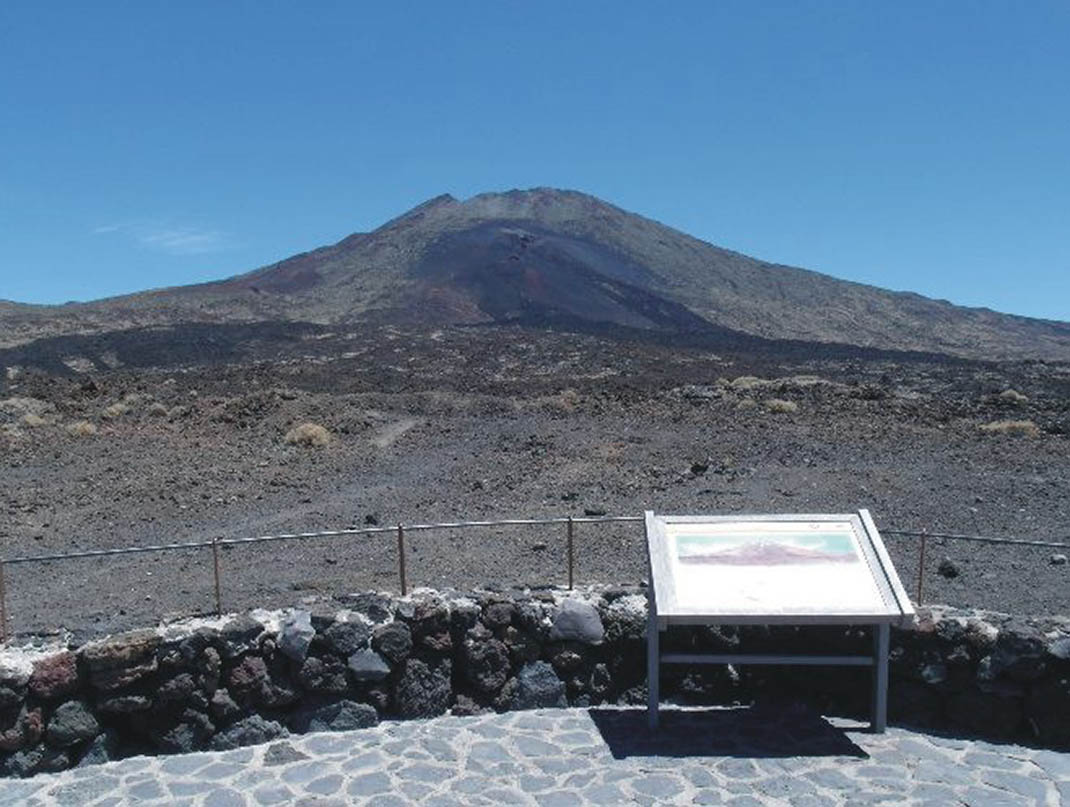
401 528
296 536
215 543
977 538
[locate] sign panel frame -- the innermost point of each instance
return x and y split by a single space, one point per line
755 558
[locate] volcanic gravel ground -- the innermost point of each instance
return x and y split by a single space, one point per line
470 425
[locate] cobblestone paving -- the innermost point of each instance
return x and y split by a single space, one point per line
577 757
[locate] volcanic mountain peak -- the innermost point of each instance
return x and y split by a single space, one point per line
546 205
556 256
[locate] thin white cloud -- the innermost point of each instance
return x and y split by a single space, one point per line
170 238
184 240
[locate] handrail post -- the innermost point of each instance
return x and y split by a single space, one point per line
921 567
570 553
3 605
401 558
215 569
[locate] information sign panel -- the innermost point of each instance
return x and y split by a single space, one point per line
826 568
782 569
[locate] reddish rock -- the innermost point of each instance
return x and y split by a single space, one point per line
27 731
209 666
55 676
248 676
252 682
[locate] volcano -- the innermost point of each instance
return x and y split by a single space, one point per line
554 258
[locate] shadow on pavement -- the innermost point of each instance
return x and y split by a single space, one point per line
737 732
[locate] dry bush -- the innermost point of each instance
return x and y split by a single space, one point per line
32 420
1013 397
115 410
806 381
19 407
781 407
308 434
748 382
81 428
1018 428
157 410
565 401
747 403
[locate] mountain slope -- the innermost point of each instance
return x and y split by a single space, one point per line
546 255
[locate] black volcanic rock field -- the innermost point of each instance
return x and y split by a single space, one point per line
472 422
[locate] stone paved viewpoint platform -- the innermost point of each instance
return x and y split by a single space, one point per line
742 757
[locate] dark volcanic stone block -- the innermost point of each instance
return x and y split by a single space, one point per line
374 606
486 664
367 665
342 716
346 638
241 635
101 749
295 635
71 723
324 675
498 614
424 688
191 733
577 621
253 730
538 687
393 641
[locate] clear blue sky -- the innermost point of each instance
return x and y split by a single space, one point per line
921 146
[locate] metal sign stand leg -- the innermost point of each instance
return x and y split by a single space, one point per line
653 661
881 635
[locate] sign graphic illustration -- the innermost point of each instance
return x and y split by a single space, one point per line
772 567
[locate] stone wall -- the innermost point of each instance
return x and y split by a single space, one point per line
245 679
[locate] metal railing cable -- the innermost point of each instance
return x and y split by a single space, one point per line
977 538
215 543
401 528
297 536
924 537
